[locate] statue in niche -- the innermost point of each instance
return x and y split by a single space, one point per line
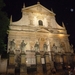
22 46
54 48
12 45
45 46
36 46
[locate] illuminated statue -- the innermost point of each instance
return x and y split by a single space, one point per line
54 48
12 45
62 47
36 46
45 46
22 46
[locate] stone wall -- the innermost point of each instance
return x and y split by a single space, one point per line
3 66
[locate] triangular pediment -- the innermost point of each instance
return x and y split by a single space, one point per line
38 8
43 30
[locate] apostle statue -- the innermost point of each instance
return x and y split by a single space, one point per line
36 46
12 45
62 47
22 46
54 48
45 47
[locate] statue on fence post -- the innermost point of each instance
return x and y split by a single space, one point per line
45 47
22 46
54 48
36 46
12 45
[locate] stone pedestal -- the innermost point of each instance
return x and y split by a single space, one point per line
39 65
47 63
11 64
58 62
47 59
65 59
57 58
11 59
23 67
23 59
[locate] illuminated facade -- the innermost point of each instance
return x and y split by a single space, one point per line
38 32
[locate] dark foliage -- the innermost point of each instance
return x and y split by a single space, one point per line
4 23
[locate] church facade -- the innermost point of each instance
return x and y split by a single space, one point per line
37 38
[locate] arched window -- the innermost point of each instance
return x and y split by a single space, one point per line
40 23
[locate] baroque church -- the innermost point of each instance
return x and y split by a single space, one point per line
37 41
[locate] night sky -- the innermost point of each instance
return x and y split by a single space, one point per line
64 10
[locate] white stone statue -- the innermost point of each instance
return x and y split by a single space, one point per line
45 47
36 47
12 45
54 48
62 47
22 46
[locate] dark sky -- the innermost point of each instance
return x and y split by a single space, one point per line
64 10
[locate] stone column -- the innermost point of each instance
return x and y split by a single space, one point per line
39 64
23 67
